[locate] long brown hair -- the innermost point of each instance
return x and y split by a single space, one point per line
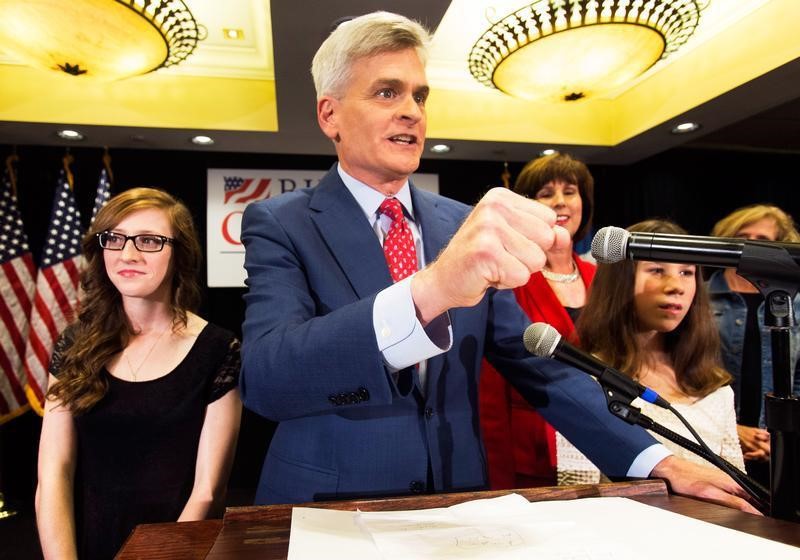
102 328
608 326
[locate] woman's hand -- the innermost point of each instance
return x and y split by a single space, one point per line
754 442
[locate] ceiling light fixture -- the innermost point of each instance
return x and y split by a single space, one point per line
72 135
233 34
686 127
107 39
570 50
547 152
201 140
440 148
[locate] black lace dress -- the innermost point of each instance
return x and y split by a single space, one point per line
137 447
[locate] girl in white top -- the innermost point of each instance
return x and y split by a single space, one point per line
652 320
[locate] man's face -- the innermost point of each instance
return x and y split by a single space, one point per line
378 123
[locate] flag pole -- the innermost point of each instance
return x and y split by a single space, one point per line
67 160
12 172
505 176
107 165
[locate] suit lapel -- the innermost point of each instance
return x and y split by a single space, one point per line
348 234
436 229
436 232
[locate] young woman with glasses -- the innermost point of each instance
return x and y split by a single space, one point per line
142 411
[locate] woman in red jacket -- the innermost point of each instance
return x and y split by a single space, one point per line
520 444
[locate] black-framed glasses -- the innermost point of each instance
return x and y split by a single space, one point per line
144 242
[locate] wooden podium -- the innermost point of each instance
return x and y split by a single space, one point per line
262 532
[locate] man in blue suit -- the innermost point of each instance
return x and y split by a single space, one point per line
374 382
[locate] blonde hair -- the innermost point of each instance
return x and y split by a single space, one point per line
733 223
360 37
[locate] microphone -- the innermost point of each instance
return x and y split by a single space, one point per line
544 341
763 259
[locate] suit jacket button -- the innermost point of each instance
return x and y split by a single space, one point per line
334 399
363 394
417 486
429 413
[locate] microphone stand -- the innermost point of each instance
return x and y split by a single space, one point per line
782 408
619 400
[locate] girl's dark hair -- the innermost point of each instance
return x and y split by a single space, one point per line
608 326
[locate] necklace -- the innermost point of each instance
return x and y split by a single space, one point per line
561 277
135 372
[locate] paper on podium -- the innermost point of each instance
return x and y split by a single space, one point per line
510 527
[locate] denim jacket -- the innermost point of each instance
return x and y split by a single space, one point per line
730 312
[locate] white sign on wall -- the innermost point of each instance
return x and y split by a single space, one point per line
231 190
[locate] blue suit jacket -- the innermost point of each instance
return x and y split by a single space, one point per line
347 427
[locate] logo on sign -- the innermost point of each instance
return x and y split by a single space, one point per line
239 190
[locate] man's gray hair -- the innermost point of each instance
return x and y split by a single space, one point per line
360 37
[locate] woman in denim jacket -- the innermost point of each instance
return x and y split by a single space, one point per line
746 347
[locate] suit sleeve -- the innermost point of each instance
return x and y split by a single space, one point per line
298 359
569 399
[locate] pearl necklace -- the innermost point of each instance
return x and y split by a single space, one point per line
135 372
561 277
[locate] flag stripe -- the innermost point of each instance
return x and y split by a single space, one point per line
4 406
11 382
263 185
55 275
37 355
42 321
15 304
14 335
20 274
11 364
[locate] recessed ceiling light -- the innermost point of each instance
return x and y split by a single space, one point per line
440 148
67 134
547 152
202 140
683 128
234 34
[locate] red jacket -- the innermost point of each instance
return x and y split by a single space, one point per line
520 444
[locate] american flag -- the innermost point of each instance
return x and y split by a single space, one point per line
17 273
56 298
103 193
240 186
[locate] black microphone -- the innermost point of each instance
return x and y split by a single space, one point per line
764 259
544 341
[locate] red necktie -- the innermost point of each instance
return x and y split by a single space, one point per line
398 246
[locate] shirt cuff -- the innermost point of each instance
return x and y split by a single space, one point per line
401 337
647 460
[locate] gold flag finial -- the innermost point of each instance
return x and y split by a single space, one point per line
68 160
505 176
12 172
